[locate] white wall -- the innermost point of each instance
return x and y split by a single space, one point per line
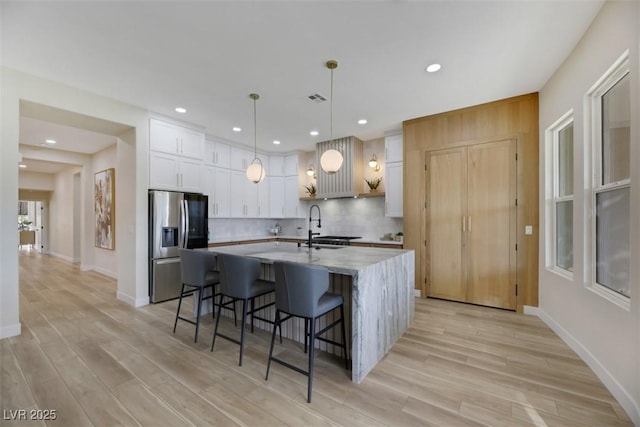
132 210
61 217
35 181
605 335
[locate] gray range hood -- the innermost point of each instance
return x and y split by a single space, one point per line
347 182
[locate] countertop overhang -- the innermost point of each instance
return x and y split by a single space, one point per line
347 260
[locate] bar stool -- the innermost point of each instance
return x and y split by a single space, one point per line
240 280
301 291
198 273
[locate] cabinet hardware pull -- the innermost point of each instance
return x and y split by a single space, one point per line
469 223
464 224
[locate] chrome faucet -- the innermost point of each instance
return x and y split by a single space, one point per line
311 219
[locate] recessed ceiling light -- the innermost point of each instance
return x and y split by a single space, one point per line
236 129
362 122
50 141
181 110
313 133
276 142
22 165
433 68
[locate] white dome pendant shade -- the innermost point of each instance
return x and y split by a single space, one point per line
255 171
331 160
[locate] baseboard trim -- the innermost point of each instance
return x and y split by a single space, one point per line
417 293
11 330
139 302
63 257
106 272
622 396
531 310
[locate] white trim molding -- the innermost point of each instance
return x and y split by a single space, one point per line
131 300
10 331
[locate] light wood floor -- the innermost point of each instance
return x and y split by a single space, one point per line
98 361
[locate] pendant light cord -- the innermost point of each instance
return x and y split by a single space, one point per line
331 110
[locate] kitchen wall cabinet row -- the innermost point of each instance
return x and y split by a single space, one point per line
180 159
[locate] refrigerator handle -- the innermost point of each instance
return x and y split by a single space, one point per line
182 225
186 221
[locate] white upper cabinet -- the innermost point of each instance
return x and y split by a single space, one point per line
240 158
171 172
174 139
393 148
276 197
221 155
291 165
276 166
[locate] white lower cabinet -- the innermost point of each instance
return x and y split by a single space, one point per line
170 172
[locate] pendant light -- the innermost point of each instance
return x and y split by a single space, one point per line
331 160
255 171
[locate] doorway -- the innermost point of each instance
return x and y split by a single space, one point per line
32 219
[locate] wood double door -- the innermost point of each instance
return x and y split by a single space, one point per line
471 224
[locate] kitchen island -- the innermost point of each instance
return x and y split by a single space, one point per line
377 285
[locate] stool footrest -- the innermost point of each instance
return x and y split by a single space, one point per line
290 366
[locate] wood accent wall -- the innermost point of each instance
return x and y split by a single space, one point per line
511 118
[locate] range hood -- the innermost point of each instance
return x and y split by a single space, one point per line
347 182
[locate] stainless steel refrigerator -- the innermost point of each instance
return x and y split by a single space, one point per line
176 220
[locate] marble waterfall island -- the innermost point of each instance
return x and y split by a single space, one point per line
377 284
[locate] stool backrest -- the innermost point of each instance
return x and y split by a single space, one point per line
194 266
237 274
299 287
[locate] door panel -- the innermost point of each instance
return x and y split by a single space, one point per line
446 206
491 224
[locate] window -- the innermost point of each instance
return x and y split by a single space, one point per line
611 137
560 143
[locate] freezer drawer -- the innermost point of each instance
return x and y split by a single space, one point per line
166 281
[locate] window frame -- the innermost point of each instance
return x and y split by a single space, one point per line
553 141
593 124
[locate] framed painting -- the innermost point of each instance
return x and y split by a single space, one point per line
105 209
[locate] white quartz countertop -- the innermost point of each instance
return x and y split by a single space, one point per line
346 260
292 237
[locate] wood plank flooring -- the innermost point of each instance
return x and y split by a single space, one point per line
97 361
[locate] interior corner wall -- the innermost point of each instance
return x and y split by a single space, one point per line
605 335
16 86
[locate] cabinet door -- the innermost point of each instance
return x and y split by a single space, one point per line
264 198
164 171
292 207
276 197
221 155
291 165
209 152
250 198
221 192
163 137
393 189
491 224
191 143
237 192
240 159
393 148
190 175
446 209
276 166
207 188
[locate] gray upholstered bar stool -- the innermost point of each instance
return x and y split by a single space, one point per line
198 274
240 281
301 291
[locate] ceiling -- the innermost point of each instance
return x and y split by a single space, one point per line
207 56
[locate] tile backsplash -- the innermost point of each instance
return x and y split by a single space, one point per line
362 217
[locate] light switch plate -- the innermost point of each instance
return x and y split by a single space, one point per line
528 229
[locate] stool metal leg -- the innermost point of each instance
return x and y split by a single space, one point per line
215 330
344 338
200 292
312 340
178 312
276 324
242 327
